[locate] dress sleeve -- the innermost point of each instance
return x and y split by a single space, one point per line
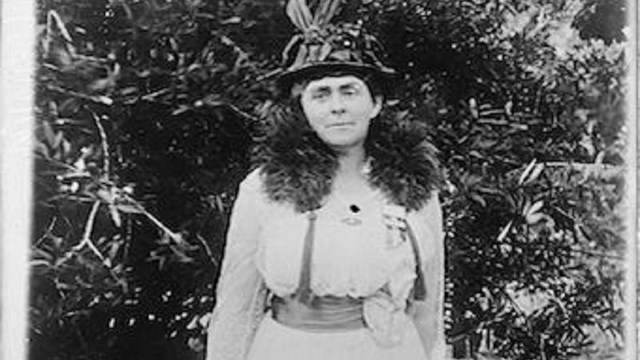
240 291
428 315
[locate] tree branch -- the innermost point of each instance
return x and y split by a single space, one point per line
100 99
175 237
105 145
86 237
207 250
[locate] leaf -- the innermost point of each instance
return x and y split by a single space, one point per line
181 109
341 55
35 263
470 180
508 108
535 173
105 195
526 172
57 43
43 150
478 198
533 214
299 14
476 154
204 320
324 51
489 190
505 231
231 20
473 108
193 323
485 144
180 255
535 218
157 256
58 139
113 248
325 12
129 209
49 134
66 148
115 215
129 90
103 100
599 158
536 206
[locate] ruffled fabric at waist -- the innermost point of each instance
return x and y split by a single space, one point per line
385 319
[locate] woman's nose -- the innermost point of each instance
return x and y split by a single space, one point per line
337 104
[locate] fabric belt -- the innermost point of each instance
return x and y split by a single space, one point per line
323 313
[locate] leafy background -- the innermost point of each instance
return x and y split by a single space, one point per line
146 111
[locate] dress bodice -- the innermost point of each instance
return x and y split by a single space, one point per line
354 253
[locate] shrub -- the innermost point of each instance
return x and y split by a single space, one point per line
146 110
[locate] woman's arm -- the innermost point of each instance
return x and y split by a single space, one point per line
428 315
240 292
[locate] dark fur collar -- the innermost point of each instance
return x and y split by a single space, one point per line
297 167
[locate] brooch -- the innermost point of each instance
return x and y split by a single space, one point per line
351 221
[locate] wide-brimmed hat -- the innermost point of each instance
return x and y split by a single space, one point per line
325 47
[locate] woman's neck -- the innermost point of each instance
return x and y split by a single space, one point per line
351 162
350 180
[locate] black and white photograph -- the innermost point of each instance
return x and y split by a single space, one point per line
318 180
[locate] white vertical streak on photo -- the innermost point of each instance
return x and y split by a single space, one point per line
15 199
631 202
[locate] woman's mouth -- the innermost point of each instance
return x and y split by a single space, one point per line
340 124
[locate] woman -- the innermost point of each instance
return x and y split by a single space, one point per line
335 244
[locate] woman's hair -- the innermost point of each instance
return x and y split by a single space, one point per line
372 81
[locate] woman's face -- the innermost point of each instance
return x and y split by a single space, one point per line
340 109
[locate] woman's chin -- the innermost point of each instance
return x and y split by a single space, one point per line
345 145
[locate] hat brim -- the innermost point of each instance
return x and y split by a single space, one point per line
386 77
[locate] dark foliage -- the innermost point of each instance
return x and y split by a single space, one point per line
146 112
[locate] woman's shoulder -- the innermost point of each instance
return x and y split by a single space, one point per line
252 187
253 180
430 207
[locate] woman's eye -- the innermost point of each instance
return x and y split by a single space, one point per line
319 95
349 92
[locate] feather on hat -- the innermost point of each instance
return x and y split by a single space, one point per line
322 46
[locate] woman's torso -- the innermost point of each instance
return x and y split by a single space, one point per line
355 253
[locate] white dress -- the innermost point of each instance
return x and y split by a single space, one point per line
360 255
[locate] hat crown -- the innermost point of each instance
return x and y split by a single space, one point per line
336 43
321 44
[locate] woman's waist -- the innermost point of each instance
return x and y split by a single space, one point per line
321 314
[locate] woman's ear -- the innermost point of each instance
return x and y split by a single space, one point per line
378 100
297 88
